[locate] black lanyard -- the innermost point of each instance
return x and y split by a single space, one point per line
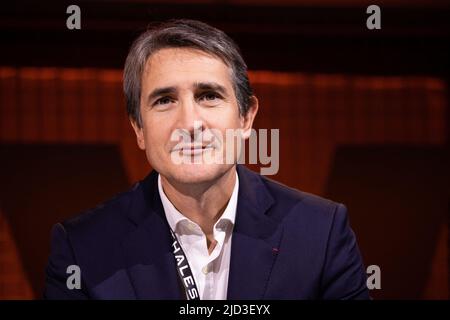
184 270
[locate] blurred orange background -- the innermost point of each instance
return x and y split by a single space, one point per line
363 119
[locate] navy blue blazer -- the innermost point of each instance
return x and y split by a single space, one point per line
286 244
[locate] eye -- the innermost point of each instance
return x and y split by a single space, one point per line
163 101
210 96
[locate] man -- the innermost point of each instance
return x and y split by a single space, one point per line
194 228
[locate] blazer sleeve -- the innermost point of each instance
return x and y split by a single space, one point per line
61 256
344 276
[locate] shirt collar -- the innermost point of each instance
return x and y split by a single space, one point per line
174 217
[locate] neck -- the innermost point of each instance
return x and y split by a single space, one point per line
202 203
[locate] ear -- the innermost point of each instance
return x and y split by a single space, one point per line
247 120
139 131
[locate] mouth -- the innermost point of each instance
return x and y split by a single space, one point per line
193 149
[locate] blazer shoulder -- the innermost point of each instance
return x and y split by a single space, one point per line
288 200
91 240
106 216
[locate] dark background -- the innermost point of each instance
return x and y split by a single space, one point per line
363 118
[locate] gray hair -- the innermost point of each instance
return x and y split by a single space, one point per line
183 34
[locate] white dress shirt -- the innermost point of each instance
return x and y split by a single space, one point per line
210 271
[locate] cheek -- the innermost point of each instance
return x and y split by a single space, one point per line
155 137
227 117
229 121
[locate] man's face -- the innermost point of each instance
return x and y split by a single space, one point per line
187 91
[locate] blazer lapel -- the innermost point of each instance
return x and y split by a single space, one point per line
256 239
150 262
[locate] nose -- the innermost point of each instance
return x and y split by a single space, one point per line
189 118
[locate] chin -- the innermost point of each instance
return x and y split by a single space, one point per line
197 173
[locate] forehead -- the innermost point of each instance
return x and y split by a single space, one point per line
183 67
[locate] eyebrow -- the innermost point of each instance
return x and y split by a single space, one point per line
160 92
213 86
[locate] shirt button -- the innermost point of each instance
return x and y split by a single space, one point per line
205 269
